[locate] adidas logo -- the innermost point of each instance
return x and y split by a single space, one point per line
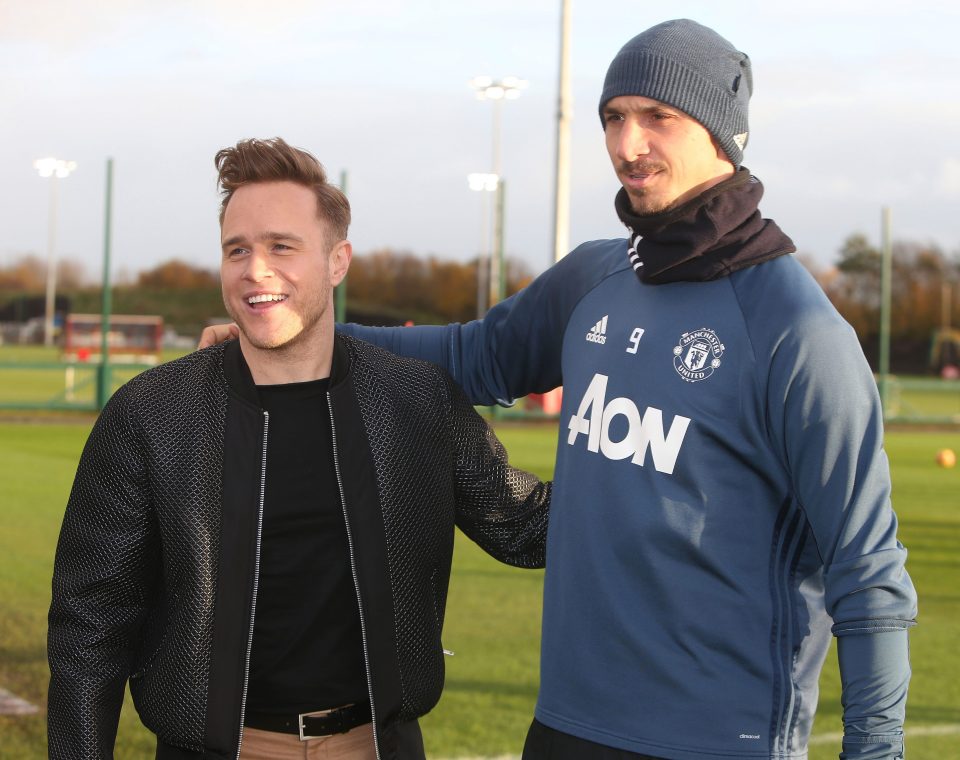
598 333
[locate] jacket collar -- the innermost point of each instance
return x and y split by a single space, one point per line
238 376
708 237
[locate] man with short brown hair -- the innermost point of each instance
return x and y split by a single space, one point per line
259 535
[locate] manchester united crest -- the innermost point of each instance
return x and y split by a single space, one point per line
698 355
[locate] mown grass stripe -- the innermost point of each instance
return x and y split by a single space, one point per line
493 611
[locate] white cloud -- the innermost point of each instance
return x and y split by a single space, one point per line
860 9
850 111
948 179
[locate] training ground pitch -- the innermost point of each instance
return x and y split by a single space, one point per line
493 615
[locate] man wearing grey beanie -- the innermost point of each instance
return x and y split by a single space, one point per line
721 502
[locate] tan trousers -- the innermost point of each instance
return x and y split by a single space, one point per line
356 744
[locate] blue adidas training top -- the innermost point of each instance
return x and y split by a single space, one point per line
721 502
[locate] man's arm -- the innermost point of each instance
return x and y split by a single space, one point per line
516 349
105 561
874 672
214 334
503 509
827 424
513 351
442 345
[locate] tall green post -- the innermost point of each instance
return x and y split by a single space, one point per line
103 370
886 276
340 293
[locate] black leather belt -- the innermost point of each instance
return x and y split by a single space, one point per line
313 725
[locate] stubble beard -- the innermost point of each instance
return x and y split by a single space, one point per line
285 341
646 201
643 204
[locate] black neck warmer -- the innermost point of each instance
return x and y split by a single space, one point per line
708 237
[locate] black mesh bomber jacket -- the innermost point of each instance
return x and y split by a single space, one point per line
155 578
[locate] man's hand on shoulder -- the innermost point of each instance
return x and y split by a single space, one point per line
215 334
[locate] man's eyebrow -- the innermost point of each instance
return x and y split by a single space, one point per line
646 109
235 240
266 236
280 236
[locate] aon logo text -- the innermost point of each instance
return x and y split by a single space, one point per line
593 420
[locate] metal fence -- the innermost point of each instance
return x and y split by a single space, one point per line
51 385
922 401
59 385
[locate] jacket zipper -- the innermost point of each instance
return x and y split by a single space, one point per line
356 580
256 582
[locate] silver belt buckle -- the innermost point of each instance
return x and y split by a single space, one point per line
316 714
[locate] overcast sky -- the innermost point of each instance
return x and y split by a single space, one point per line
856 106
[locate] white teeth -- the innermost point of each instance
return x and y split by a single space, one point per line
263 298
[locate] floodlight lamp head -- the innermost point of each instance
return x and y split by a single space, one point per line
54 167
483 182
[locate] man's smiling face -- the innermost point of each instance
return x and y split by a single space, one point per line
279 265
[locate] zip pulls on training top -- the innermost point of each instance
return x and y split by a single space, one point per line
256 580
353 572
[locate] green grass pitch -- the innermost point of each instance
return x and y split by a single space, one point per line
493 618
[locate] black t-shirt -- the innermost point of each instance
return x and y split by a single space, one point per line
307 646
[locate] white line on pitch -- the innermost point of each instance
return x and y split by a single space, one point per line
13 705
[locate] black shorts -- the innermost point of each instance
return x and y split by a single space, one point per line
544 743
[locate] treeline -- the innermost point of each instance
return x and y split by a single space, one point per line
925 298
28 274
383 287
426 291
393 287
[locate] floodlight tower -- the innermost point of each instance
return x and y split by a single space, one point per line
483 183
561 189
497 90
53 169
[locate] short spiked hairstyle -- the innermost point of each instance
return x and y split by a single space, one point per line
274 160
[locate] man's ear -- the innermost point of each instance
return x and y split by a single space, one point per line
340 258
721 153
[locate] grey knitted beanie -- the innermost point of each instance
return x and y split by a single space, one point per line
690 67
